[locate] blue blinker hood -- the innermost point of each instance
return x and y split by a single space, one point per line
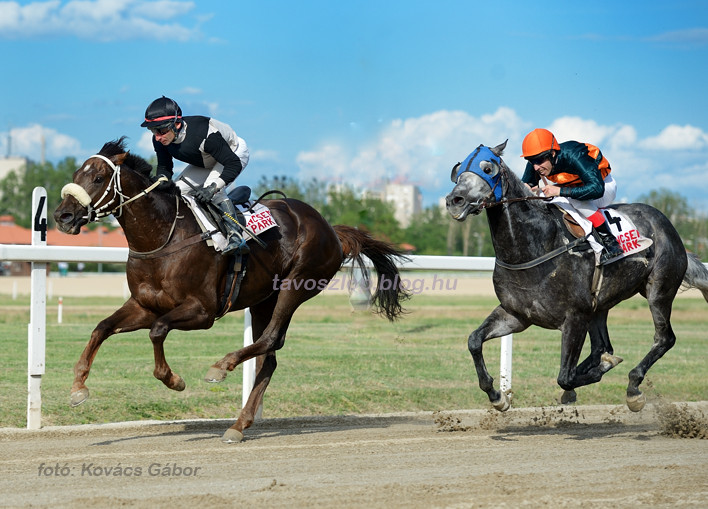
472 164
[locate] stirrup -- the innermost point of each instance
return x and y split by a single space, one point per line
606 257
236 242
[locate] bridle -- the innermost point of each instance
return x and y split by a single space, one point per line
112 193
491 200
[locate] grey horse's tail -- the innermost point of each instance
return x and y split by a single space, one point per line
696 275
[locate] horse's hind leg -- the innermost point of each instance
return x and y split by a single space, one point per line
265 366
664 339
499 323
131 316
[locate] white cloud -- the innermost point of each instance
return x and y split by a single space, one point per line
589 131
99 20
415 150
422 150
160 9
265 156
34 141
693 37
190 91
144 145
675 137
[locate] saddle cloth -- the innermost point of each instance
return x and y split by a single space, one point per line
624 230
258 219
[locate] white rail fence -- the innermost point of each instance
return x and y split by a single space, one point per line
39 254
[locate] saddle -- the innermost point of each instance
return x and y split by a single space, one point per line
572 225
574 230
238 196
236 270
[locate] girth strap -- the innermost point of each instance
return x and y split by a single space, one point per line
173 248
544 258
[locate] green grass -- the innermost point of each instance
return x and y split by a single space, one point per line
334 362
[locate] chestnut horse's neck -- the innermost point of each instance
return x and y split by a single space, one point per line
150 220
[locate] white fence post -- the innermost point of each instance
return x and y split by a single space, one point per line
36 333
505 363
249 367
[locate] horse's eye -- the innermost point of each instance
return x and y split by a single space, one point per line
488 170
98 179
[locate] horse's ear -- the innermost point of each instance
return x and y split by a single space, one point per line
118 159
499 149
453 175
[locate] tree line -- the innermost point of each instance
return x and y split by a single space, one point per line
432 232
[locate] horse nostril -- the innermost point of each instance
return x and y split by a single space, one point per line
66 217
458 200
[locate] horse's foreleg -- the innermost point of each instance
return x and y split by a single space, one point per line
498 324
573 332
131 316
601 358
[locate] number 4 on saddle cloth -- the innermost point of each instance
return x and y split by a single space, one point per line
251 216
629 238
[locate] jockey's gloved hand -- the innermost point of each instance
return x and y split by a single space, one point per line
205 194
164 185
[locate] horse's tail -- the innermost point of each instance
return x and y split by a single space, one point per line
389 293
696 275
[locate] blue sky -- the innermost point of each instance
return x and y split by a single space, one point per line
362 92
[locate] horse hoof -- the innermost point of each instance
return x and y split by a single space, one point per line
609 361
215 375
568 397
232 436
503 403
179 385
79 396
636 403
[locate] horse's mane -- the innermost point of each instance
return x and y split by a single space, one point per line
137 163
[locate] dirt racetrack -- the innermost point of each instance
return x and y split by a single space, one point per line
544 457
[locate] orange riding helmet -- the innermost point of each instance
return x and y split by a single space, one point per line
537 142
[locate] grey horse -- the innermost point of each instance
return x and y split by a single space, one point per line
545 277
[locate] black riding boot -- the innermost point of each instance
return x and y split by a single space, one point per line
233 232
611 247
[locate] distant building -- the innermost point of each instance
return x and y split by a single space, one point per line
10 164
407 201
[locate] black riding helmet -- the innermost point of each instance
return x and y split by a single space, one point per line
161 113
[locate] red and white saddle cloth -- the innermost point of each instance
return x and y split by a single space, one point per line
624 230
258 219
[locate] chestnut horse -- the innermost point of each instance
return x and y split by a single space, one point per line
182 288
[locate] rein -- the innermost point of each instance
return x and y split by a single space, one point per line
538 261
505 201
541 259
